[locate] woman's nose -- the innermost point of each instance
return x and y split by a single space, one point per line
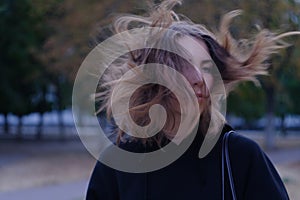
198 88
199 80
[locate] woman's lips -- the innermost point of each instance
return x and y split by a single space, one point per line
200 96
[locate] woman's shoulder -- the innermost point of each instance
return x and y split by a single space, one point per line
253 171
240 141
244 149
242 145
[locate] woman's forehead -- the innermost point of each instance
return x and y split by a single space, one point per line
196 49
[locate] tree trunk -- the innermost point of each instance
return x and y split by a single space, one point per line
19 128
282 125
6 124
61 125
40 127
270 126
59 112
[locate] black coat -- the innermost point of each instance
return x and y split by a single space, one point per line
189 177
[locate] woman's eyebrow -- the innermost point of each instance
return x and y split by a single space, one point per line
209 61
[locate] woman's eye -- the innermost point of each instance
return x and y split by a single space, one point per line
207 69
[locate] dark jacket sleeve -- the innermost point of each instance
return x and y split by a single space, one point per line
103 184
261 180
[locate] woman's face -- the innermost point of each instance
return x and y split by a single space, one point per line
200 76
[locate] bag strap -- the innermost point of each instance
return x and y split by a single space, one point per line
226 158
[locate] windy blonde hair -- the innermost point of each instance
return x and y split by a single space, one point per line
236 60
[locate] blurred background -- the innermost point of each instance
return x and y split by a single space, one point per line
42 45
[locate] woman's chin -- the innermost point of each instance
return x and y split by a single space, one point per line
203 104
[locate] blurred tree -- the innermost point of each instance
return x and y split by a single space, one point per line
20 40
74 28
244 104
69 32
288 90
282 15
275 15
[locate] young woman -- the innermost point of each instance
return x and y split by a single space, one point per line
202 58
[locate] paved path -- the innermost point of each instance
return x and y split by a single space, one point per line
69 191
76 190
285 156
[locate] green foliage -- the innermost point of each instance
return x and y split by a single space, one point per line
43 44
247 101
21 38
26 83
